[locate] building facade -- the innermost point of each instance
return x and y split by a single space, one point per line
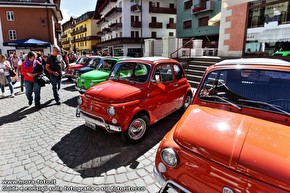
37 19
125 24
80 34
263 30
193 21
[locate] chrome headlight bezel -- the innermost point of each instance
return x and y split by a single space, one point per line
92 84
80 100
169 157
111 111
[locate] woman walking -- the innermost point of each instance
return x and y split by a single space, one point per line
5 67
30 85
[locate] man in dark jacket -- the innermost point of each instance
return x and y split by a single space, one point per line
53 66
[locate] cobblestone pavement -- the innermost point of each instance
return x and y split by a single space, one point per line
51 148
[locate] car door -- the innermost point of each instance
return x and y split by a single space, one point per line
180 86
161 84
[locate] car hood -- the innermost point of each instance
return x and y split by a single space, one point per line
75 66
114 92
85 69
95 74
249 145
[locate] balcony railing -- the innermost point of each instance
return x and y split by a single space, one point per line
202 8
136 8
99 33
115 26
165 10
79 31
106 30
88 38
102 20
136 24
155 25
118 41
171 26
113 11
65 42
64 36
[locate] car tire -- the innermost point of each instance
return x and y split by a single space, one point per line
187 102
137 129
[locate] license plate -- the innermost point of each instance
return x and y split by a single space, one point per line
90 125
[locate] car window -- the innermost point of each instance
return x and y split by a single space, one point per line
94 62
178 72
130 71
163 73
263 89
107 64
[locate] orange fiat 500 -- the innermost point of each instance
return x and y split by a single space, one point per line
235 137
137 93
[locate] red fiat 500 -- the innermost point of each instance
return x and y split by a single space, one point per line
137 93
236 135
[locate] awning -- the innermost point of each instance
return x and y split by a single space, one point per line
28 42
214 21
275 35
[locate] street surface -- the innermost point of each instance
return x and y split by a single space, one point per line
52 150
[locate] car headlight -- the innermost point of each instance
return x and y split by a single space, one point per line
80 100
111 111
169 157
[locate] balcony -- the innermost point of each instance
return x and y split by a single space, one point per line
115 26
136 8
64 36
65 42
81 39
171 26
75 32
88 38
136 24
155 25
118 41
202 8
165 10
102 20
113 11
106 30
99 33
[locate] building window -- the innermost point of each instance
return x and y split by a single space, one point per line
187 24
171 34
153 34
12 34
203 21
187 5
171 20
153 19
10 15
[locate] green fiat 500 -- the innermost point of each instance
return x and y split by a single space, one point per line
93 77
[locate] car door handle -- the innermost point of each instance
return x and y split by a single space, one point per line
175 85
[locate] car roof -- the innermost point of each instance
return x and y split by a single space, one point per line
254 61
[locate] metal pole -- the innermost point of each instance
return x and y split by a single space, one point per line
141 30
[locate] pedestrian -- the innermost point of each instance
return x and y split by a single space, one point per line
24 57
31 86
72 57
14 62
5 67
53 66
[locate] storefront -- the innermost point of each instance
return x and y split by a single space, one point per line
268 28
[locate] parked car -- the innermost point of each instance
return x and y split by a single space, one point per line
81 62
93 64
235 137
282 53
137 93
93 77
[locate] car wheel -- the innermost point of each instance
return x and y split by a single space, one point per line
187 102
137 129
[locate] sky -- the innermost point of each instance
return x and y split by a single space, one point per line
76 8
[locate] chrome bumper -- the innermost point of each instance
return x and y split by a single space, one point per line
109 128
166 185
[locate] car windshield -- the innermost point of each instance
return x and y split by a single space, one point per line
94 62
131 71
83 60
261 89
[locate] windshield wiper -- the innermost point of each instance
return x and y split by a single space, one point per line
224 100
267 104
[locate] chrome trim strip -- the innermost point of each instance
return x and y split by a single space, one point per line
102 123
80 89
175 184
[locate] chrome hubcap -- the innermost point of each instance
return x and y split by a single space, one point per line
137 129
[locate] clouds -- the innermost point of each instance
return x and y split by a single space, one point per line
67 15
